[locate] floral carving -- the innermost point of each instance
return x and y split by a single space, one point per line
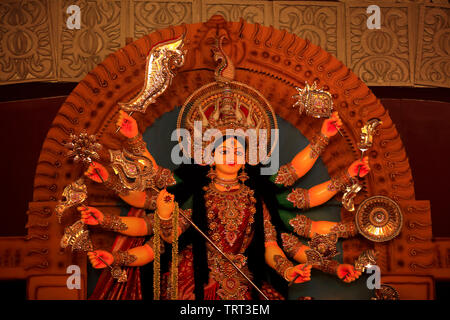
319 23
152 15
25 41
433 58
251 11
381 56
100 34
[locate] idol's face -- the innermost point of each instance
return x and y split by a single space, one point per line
229 157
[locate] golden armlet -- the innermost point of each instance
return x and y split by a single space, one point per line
123 258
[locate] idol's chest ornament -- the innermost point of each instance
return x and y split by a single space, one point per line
230 216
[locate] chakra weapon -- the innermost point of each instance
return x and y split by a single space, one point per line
84 148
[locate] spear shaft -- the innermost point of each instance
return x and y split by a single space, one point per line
223 254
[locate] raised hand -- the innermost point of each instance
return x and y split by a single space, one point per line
301 270
359 166
330 126
127 124
165 204
87 214
347 273
96 262
94 170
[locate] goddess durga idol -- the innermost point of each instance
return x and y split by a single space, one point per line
229 200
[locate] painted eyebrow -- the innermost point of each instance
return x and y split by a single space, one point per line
237 149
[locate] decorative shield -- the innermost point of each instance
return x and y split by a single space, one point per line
379 219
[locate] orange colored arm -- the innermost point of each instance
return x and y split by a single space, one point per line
144 255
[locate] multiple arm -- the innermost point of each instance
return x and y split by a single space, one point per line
305 159
134 257
163 201
304 254
275 256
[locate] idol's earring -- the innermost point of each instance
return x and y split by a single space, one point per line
243 175
211 173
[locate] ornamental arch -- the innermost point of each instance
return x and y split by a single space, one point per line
273 62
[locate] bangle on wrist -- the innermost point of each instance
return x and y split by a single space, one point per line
286 175
123 258
285 275
282 264
291 244
150 199
136 145
328 266
113 183
340 181
114 223
166 225
318 144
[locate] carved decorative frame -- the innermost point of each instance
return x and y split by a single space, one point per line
273 62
